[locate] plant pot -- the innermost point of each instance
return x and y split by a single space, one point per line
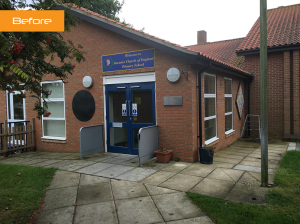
206 155
163 157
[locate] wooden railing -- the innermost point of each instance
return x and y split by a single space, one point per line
16 136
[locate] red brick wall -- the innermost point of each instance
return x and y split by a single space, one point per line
275 90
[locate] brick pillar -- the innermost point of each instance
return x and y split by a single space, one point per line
287 93
296 97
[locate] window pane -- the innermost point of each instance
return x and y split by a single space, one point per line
55 89
210 109
228 89
210 129
143 99
118 137
56 109
116 99
228 122
54 128
228 104
209 84
18 107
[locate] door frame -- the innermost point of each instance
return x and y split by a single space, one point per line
10 105
125 79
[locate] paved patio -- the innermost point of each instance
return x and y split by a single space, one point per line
111 188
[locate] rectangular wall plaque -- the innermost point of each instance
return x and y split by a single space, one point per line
129 60
173 101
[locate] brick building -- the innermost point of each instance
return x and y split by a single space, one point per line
223 67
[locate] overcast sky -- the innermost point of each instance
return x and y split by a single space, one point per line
179 20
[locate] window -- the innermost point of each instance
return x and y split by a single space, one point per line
54 125
210 118
228 106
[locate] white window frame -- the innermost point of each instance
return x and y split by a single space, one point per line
54 119
207 142
10 105
229 113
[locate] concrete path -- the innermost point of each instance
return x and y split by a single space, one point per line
110 188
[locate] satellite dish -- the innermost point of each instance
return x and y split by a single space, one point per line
173 74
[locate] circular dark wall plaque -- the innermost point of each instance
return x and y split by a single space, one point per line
83 105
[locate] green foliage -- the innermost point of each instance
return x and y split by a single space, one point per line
283 201
26 57
107 8
21 195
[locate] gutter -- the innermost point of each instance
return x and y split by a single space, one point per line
200 102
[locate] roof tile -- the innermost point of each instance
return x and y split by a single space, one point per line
283 29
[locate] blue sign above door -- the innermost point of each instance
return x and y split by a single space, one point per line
129 60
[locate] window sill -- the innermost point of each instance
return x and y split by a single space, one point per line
54 141
229 133
211 141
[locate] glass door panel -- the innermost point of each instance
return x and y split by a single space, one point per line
116 99
143 99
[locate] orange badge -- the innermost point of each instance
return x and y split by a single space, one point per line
32 21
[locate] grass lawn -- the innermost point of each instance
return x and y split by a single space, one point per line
21 195
282 205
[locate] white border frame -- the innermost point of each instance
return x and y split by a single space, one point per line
11 106
62 119
207 142
125 79
229 113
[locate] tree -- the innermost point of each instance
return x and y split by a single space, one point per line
107 8
26 57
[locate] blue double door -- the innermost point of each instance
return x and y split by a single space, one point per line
129 107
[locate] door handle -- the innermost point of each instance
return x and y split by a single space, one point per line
129 107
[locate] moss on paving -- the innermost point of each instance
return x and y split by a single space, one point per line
282 205
21 195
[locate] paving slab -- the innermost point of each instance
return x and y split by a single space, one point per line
257 164
30 162
77 165
249 180
57 216
59 198
64 180
198 169
89 180
153 164
251 168
126 189
200 220
102 213
257 176
229 156
158 177
176 206
89 194
226 174
119 159
132 162
181 182
136 174
213 188
270 161
220 164
177 167
247 194
138 210
224 151
97 167
227 160
61 163
46 162
154 190
113 171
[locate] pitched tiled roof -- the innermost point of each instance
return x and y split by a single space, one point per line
222 50
283 29
162 41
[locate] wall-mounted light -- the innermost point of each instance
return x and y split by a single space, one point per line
87 81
